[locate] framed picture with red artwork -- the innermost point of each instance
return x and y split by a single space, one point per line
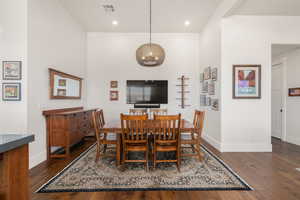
246 82
114 95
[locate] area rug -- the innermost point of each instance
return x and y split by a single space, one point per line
84 175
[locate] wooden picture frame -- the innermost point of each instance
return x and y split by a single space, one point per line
294 92
61 83
114 95
246 82
11 92
113 84
12 70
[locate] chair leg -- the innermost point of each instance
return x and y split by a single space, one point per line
97 153
124 156
199 153
154 158
104 149
146 157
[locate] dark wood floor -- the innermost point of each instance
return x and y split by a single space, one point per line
272 175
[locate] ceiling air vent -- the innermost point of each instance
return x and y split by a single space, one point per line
108 8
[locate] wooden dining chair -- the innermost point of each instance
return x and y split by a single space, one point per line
134 137
103 138
138 111
158 111
192 140
167 137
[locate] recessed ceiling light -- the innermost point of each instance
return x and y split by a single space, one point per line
115 22
187 23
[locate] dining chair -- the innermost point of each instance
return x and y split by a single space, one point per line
192 140
158 111
167 137
134 137
138 111
103 139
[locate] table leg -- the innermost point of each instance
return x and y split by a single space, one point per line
118 150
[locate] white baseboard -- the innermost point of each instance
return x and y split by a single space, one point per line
246 147
212 141
295 141
37 159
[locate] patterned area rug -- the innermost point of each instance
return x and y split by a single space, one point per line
84 175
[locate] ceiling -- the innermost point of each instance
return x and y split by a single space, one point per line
133 15
269 7
280 49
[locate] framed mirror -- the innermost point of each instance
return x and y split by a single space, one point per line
64 86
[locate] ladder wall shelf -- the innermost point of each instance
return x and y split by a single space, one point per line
182 90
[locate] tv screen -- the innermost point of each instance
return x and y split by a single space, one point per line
147 92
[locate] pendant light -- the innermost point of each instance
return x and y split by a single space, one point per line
150 54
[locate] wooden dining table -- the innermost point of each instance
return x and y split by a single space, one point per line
114 126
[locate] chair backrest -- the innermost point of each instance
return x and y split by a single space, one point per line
158 111
138 111
98 122
133 127
168 127
198 121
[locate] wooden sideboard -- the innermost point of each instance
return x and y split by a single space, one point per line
66 127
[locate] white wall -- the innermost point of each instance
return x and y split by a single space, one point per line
13 47
57 41
210 55
246 124
112 57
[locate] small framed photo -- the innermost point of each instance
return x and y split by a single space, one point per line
205 87
215 104
114 95
12 70
207 73
61 92
246 82
11 91
201 77
294 92
203 100
214 74
62 82
113 84
211 87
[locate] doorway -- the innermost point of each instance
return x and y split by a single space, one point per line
284 108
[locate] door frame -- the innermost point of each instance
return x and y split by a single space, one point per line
282 61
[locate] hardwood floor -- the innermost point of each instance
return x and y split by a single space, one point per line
272 175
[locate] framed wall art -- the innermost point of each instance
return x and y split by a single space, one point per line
114 95
201 77
211 88
246 82
12 70
207 73
113 84
294 92
214 74
11 91
215 104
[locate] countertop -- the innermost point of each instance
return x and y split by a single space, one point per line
13 141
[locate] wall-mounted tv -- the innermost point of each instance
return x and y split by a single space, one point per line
147 92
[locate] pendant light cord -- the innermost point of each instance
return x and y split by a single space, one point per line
150 22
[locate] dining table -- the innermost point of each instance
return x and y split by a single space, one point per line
114 126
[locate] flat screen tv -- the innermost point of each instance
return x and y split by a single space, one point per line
147 92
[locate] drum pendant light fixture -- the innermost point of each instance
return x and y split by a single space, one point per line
150 54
